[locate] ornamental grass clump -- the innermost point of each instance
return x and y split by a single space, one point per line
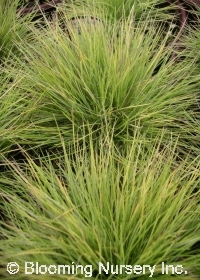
12 27
14 111
118 75
138 206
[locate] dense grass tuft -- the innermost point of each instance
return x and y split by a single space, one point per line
119 76
139 208
13 27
